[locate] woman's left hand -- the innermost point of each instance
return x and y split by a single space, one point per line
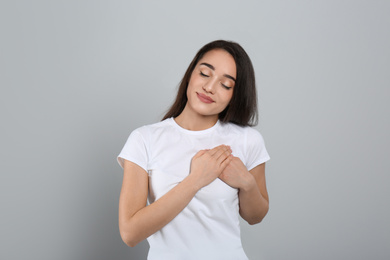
236 174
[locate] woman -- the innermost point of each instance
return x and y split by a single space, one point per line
201 167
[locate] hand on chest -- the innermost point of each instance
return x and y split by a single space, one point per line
170 166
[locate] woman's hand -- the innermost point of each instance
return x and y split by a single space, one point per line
207 165
236 174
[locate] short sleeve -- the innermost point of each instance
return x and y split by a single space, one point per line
134 150
255 149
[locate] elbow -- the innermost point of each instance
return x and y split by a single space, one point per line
129 233
258 218
129 240
131 244
254 221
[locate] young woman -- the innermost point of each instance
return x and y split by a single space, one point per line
201 168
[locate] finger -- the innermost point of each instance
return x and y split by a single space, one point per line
218 152
221 155
226 162
200 153
216 149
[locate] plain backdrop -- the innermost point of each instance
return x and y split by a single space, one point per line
78 76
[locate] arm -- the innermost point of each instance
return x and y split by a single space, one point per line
138 221
253 196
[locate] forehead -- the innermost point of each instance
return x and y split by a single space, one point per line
221 60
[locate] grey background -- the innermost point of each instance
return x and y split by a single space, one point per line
78 76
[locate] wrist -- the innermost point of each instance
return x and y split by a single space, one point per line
249 182
192 182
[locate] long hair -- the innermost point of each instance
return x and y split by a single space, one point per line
242 109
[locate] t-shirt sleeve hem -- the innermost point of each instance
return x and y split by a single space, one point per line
121 158
258 162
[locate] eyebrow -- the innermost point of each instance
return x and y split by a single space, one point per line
212 67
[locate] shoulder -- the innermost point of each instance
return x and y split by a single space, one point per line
250 138
243 131
155 128
253 133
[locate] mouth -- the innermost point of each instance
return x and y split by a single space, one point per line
204 98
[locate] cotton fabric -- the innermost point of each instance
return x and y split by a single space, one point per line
208 228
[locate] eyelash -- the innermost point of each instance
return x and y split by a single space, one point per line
226 86
204 75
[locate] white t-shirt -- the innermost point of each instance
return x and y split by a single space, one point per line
208 228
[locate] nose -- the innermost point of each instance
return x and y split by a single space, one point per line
209 87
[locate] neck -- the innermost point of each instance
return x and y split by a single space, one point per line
194 121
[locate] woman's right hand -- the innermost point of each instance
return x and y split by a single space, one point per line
207 165
138 221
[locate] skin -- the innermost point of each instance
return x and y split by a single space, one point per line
198 115
138 221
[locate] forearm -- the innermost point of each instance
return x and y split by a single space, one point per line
253 206
155 216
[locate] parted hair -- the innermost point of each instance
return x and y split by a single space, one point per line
242 109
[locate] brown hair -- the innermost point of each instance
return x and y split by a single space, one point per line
242 109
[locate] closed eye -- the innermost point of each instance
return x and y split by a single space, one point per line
204 75
226 86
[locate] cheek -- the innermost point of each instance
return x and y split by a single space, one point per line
190 91
192 83
195 80
226 101
190 87
229 96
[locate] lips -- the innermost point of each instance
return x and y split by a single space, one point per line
204 98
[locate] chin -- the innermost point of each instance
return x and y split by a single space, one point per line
205 109
206 112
